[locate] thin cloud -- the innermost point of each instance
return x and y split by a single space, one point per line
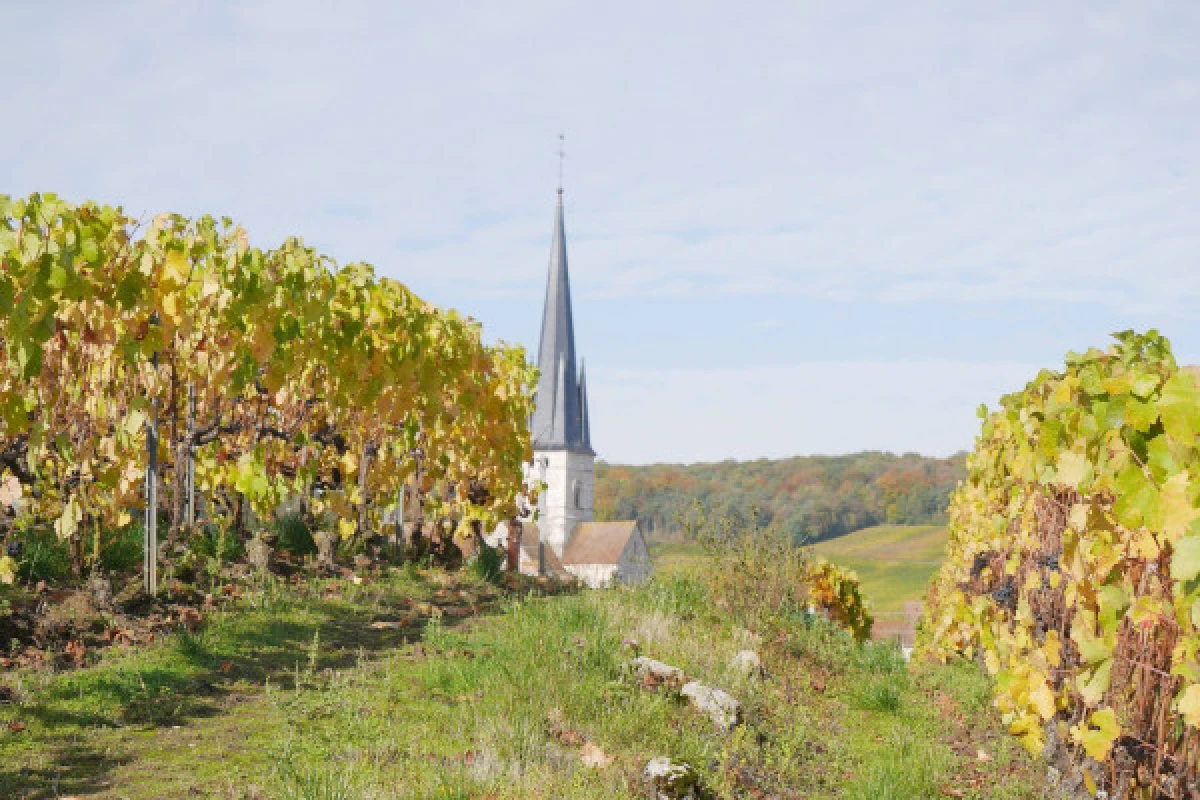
1002 180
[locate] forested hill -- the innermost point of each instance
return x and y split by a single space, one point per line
815 497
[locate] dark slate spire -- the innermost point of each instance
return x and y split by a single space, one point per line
586 425
558 421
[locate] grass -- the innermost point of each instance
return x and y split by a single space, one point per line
676 558
894 562
299 695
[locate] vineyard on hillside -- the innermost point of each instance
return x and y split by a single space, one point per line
174 358
1073 569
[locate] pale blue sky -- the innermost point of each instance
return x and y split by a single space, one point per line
793 227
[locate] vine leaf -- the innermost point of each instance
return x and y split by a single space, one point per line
1189 705
1098 737
1179 405
1073 469
1185 564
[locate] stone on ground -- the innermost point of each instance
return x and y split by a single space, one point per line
258 553
657 673
672 780
722 707
748 663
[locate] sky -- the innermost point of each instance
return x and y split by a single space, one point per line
793 228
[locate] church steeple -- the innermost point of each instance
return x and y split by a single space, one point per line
559 419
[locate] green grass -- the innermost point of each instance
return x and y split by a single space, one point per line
675 558
894 563
299 696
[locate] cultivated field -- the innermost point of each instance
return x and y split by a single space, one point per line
894 562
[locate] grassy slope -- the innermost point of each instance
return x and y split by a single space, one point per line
893 562
262 705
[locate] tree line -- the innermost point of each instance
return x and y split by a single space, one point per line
809 497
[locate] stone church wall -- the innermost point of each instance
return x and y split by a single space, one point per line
570 494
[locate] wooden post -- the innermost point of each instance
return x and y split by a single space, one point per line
513 553
398 533
542 464
150 554
191 458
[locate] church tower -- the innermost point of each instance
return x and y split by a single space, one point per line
562 441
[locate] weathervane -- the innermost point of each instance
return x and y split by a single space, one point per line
561 155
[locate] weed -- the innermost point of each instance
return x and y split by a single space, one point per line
902 771
44 557
878 695
881 658
488 565
294 536
316 782
124 552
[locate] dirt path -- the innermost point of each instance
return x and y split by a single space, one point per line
188 718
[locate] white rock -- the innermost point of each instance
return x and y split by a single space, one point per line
670 780
748 663
721 706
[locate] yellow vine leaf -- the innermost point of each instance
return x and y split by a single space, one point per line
176 267
1098 737
1073 469
67 524
1042 699
1185 564
1052 649
1029 730
1179 513
1188 705
8 569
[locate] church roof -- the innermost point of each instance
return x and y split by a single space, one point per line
559 419
599 542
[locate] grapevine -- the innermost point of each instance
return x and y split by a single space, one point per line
274 373
1073 567
836 591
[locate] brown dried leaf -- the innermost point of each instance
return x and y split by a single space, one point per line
594 757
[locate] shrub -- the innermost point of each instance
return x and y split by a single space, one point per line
214 542
761 576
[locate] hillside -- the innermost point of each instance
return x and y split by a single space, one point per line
421 683
811 497
893 562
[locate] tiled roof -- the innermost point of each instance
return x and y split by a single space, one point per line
598 542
